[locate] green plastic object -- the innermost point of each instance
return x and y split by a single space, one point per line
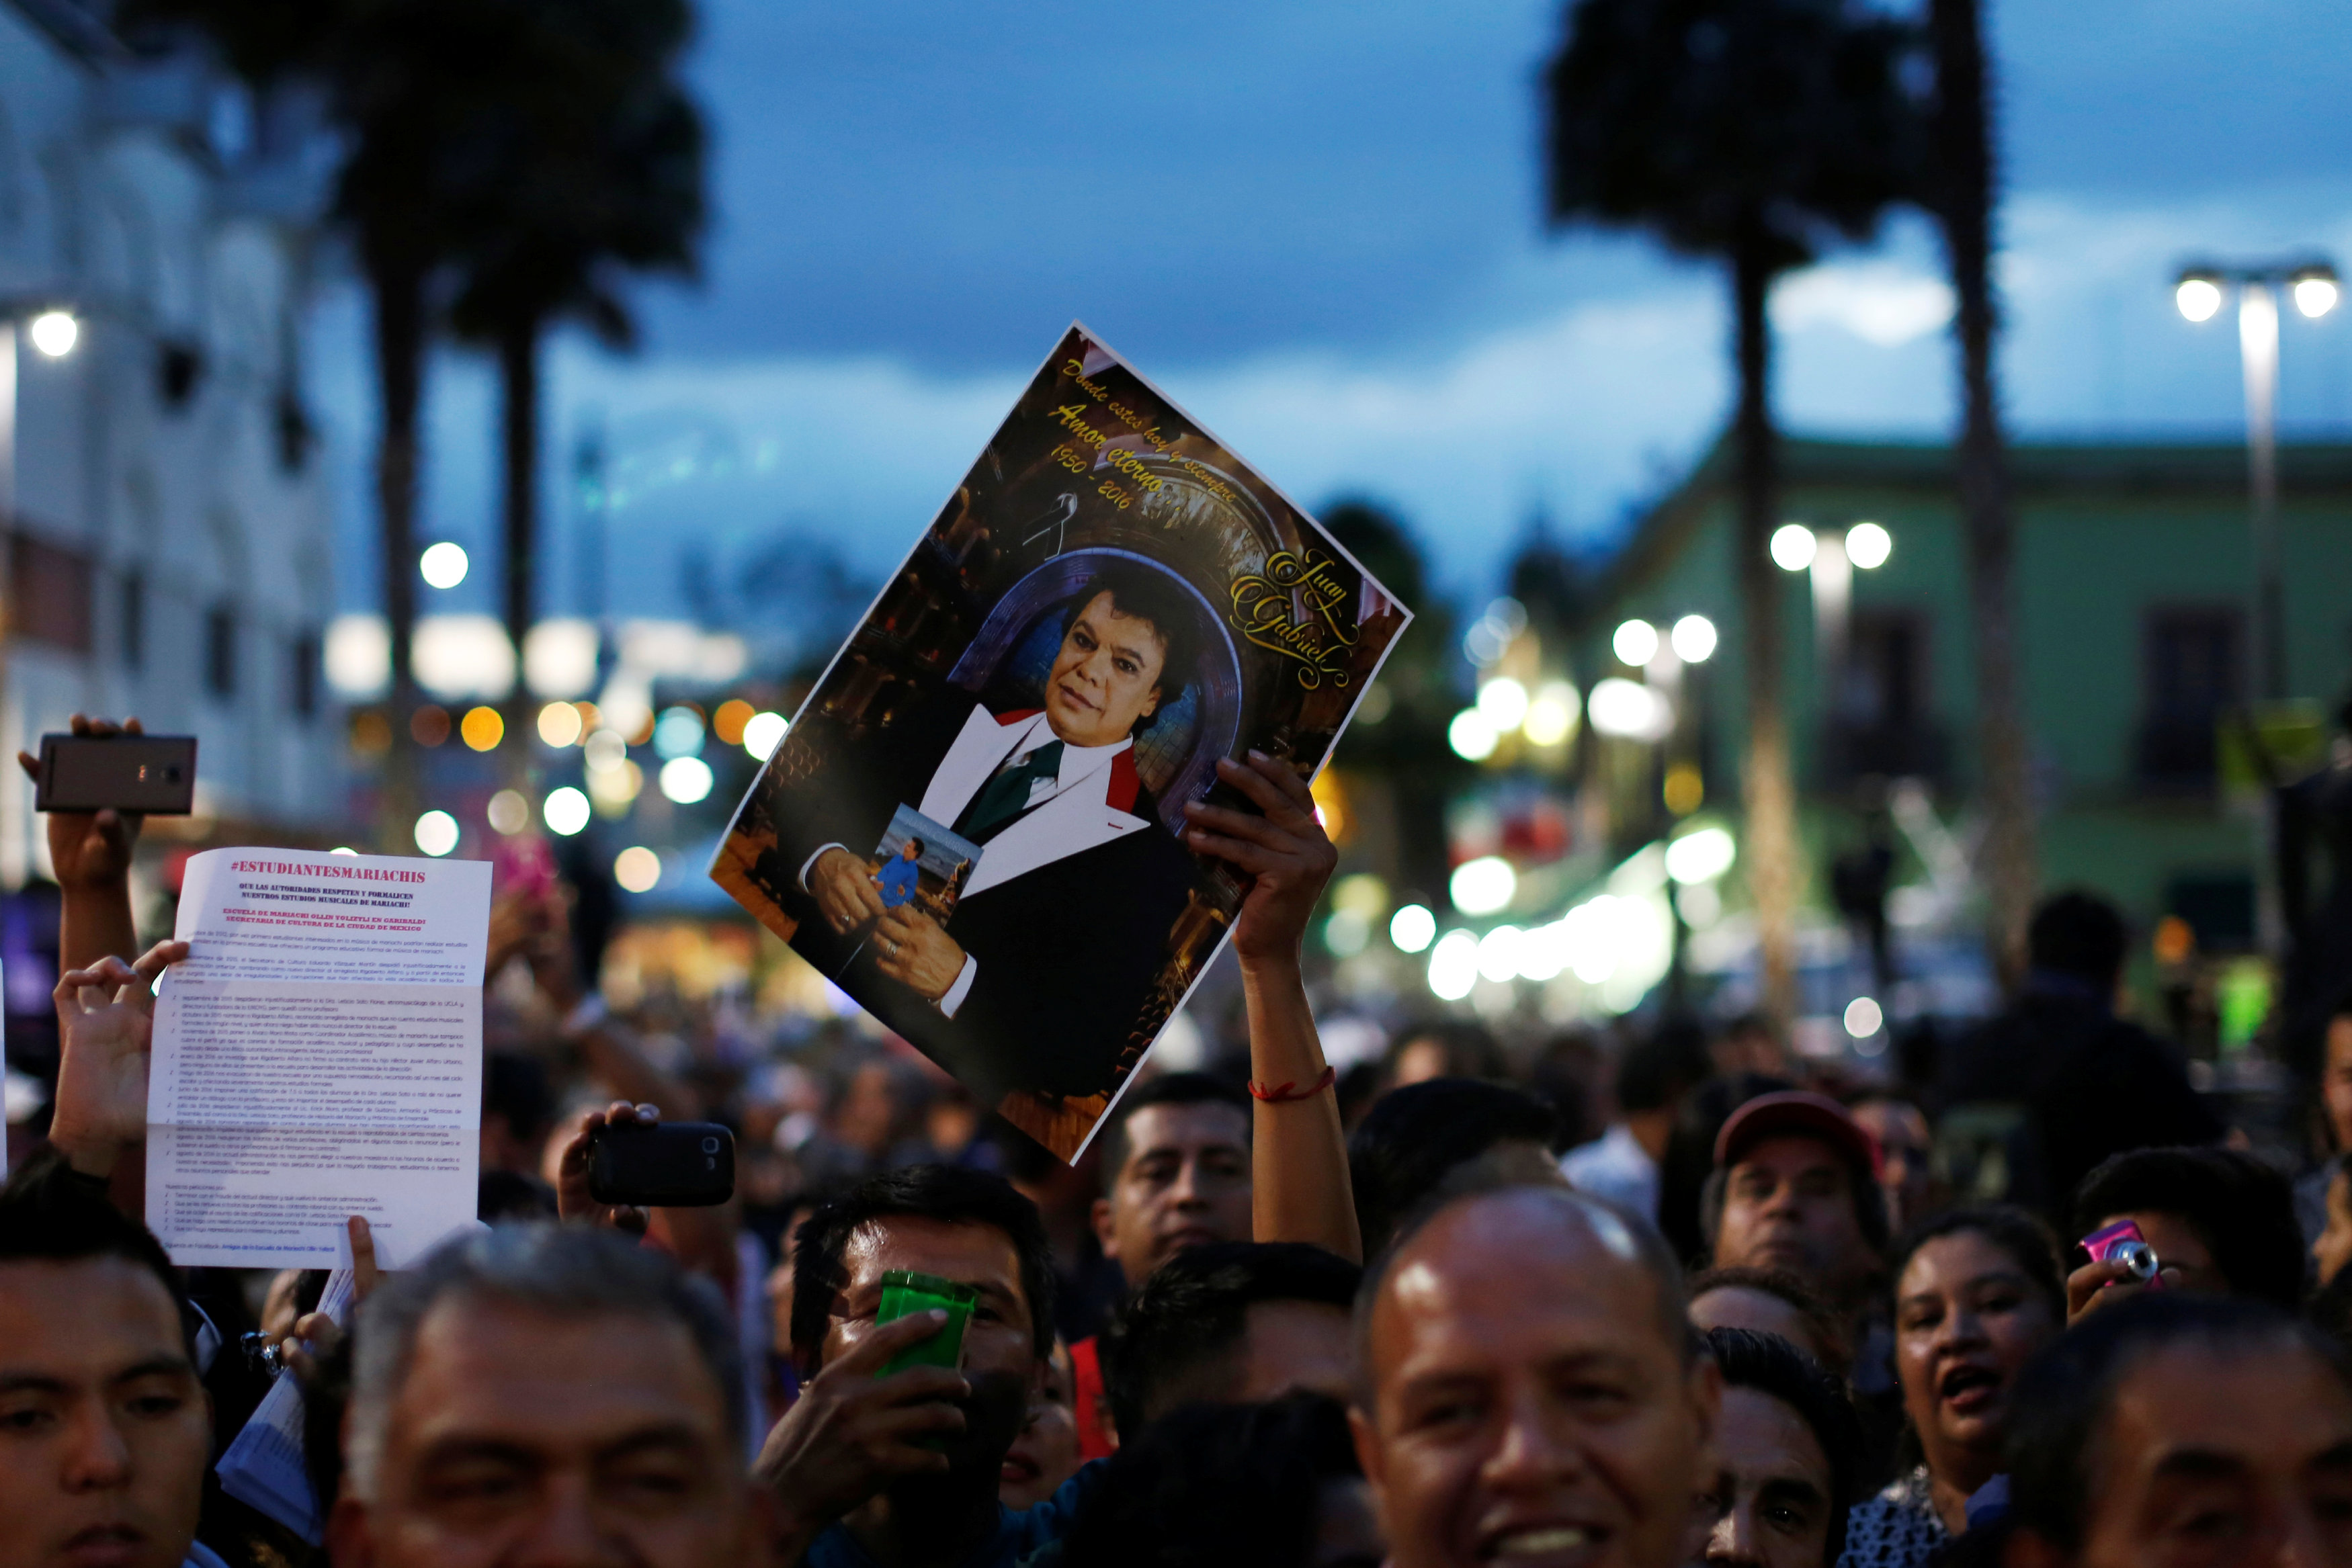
905 1293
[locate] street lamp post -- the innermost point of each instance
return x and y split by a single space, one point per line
54 332
2199 292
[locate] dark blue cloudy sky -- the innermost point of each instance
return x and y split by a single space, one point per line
1315 224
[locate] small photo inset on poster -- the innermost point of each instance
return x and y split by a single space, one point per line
922 863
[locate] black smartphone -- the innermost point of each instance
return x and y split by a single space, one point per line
155 775
671 1165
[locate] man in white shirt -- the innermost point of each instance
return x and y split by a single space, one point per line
1652 1077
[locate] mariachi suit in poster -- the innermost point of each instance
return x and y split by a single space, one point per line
1067 915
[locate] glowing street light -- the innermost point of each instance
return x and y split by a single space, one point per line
1413 928
54 333
2199 292
1793 545
1635 644
2198 296
1503 702
1694 638
2315 293
1868 544
1552 716
1472 735
1483 885
443 565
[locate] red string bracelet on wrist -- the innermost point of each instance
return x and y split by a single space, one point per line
1279 1093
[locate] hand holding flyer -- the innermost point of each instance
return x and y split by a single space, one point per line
318 1055
1110 607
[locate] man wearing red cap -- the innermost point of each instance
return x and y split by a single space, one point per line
1794 1187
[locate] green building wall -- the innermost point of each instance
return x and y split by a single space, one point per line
2105 535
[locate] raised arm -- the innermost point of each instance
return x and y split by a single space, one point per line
106 1021
1300 1162
91 852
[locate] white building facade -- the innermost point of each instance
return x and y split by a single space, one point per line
168 548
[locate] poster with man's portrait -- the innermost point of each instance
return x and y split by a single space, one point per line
974 825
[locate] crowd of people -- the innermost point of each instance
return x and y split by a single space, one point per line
1664 1298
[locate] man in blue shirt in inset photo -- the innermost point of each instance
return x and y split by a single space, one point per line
899 880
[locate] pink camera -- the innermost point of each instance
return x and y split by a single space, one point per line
2123 1242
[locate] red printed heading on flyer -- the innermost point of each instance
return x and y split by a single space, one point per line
327 869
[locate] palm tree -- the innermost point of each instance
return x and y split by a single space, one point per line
590 164
1749 131
1960 193
403 78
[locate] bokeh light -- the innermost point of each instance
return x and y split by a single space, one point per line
762 733
1484 885
1413 928
1635 644
1694 638
679 732
1701 856
443 565
613 789
565 810
509 812
1471 735
1504 703
1552 717
483 729
560 724
1864 1018
1868 545
55 333
637 869
685 779
1793 545
2199 298
1454 966
605 751
436 832
728 722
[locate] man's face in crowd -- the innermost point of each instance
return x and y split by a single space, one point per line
1295 1344
1285 1345
1106 677
1186 1181
104 1430
1046 1452
1905 1147
2177 1246
999 1356
2335 1081
1776 1496
1789 1203
1528 1403
2216 1459
524 1435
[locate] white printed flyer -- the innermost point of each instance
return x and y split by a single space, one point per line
318 1055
